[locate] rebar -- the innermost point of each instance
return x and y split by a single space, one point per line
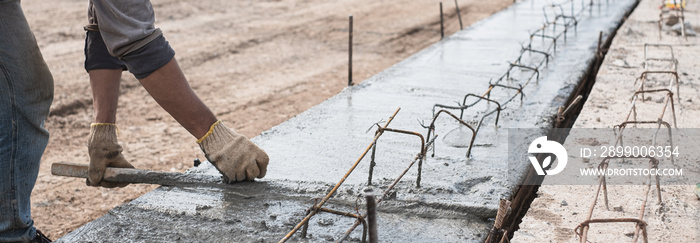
519 89
620 128
669 97
552 30
503 209
529 49
464 102
567 21
350 51
386 192
640 228
442 24
422 151
680 13
359 218
459 16
672 59
372 163
582 229
463 106
534 69
675 80
335 188
371 215
563 111
431 129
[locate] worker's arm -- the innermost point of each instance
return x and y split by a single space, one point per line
168 86
234 155
103 148
123 31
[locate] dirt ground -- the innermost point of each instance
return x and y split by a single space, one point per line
254 63
559 209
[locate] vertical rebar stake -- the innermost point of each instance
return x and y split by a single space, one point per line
350 54
442 24
459 15
372 163
599 51
682 20
371 214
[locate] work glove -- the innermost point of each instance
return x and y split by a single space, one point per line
104 151
234 155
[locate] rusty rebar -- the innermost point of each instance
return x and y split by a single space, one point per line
359 219
653 162
680 13
534 69
422 150
672 59
658 122
682 20
464 102
561 115
582 229
372 163
551 6
669 97
386 192
529 49
676 79
640 225
335 188
566 20
545 36
503 209
431 129
519 89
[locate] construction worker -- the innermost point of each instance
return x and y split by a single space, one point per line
121 36
26 93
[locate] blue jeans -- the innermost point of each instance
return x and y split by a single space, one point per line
26 93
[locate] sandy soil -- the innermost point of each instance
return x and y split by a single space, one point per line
255 63
558 209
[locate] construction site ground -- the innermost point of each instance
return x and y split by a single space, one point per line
559 209
255 63
453 198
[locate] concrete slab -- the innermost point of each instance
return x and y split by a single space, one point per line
676 218
310 152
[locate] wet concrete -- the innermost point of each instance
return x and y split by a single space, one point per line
312 151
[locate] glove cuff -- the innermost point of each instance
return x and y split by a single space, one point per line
211 130
217 138
105 132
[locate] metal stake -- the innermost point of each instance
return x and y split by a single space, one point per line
442 24
461 27
350 54
371 215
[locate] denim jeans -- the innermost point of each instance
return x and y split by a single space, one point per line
26 93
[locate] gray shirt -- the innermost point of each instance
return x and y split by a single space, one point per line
125 25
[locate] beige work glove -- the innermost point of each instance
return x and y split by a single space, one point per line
234 155
104 152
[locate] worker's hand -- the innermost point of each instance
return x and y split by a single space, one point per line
234 155
104 152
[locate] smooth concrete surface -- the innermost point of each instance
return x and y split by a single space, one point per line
311 152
